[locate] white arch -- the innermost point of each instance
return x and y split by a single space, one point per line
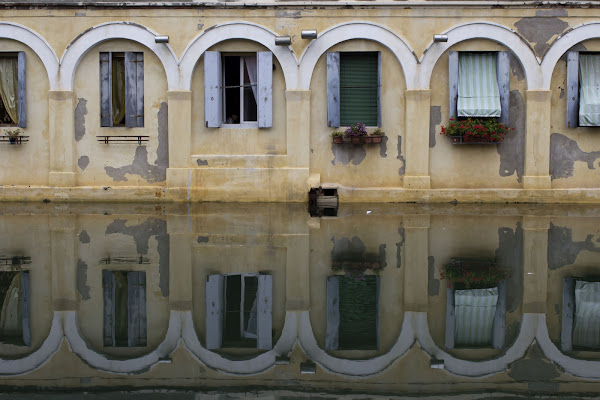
102 362
116 30
563 43
252 366
357 368
483 30
237 30
35 42
358 30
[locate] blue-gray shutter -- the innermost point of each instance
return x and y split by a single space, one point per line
264 331
378 96
450 318
452 89
25 306
332 337
568 311
106 89
264 101
134 89
499 324
136 308
572 89
22 98
213 82
108 290
503 75
215 310
333 89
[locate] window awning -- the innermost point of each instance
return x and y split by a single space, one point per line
478 94
474 310
586 331
589 92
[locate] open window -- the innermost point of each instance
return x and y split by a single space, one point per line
124 308
583 89
239 311
479 84
238 89
14 306
353 88
13 105
580 322
122 89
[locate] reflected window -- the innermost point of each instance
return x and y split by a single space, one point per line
581 315
352 313
239 311
124 308
14 317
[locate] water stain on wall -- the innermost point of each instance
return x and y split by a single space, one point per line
435 118
563 154
562 250
80 113
512 149
540 30
346 152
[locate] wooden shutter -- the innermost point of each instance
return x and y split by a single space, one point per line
264 101
22 98
25 306
332 337
213 82
499 324
572 89
450 318
333 89
503 75
108 290
134 89
105 89
214 311
359 88
136 308
264 331
568 310
452 86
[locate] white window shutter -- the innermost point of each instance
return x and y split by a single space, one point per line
332 337
214 311
264 332
213 82
503 75
452 84
105 89
333 89
572 89
21 90
264 101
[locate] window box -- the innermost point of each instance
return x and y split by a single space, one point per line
473 140
475 131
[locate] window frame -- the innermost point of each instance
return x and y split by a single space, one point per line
573 89
242 85
21 87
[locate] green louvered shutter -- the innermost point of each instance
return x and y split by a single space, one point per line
359 88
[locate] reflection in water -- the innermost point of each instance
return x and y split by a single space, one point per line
407 297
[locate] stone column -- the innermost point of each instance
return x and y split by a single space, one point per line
535 262
537 140
61 108
416 250
416 135
180 262
64 262
180 137
297 276
298 139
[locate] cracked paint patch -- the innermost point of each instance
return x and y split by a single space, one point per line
400 157
563 154
509 255
80 113
512 149
540 30
82 287
83 162
345 153
562 250
435 118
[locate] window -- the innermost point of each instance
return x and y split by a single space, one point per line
580 315
124 308
238 311
353 88
12 89
583 89
238 89
14 306
479 84
122 89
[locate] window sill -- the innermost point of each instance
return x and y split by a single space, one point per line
243 125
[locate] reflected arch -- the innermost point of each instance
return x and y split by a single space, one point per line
83 43
237 30
357 30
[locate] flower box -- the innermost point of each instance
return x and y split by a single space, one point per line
473 140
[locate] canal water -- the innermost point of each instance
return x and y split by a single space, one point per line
273 301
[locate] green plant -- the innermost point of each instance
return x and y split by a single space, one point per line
356 130
337 134
12 133
473 274
378 132
481 128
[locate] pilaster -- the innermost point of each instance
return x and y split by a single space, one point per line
416 250
61 109
537 140
535 261
416 136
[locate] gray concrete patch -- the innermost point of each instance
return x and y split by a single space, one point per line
540 30
84 237
346 152
516 68
399 246
83 162
288 14
80 113
533 368
382 257
383 147
435 118
563 154
400 157
201 162
562 250
433 285
202 239
509 255
81 277
162 152
512 149
553 12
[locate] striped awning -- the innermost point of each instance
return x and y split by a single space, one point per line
586 332
474 311
589 91
478 93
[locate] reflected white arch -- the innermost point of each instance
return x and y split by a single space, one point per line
357 30
483 30
358 368
563 43
100 361
237 30
115 30
35 42
252 366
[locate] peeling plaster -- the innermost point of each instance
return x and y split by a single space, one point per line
383 147
202 239
435 118
288 14
562 250
533 368
400 157
141 235
509 255
433 285
512 149
84 237
399 246
540 30
563 154
346 152
83 162
554 12
80 113
82 287
202 162
516 68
